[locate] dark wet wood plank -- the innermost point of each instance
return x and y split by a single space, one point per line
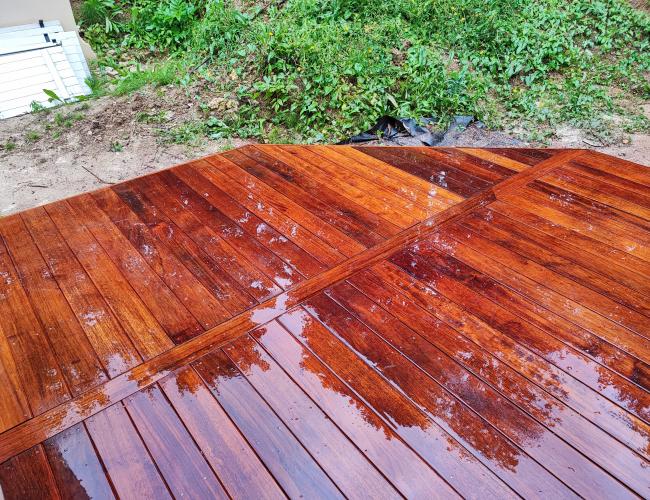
549 412
28 476
179 460
353 474
144 330
283 247
240 471
111 341
255 165
430 382
284 456
230 296
26 344
329 237
367 429
75 355
425 167
590 403
308 181
77 469
130 468
426 194
445 454
164 305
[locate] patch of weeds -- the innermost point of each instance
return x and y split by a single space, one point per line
321 70
67 120
146 117
37 107
189 133
159 76
32 136
10 145
116 147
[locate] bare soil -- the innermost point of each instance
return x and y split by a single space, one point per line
51 155
95 144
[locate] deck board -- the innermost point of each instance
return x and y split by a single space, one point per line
333 321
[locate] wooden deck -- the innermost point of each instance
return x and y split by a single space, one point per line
333 322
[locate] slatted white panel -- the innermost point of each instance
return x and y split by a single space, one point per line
29 63
46 68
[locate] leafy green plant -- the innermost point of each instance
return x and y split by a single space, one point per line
8 146
116 147
323 69
101 12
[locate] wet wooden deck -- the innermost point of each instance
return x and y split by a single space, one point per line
333 322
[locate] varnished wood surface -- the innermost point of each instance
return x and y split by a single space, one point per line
332 321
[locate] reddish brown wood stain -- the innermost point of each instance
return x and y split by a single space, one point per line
330 321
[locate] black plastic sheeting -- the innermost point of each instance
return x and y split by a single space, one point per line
391 129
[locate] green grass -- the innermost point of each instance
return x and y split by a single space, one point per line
32 136
319 70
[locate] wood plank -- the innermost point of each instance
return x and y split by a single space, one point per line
472 165
594 212
530 200
350 190
274 215
567 424
619 167
549 253
339 241
610 178
604 192
74 353
28 476
112 344
353 474
65 415
496 282
179 460
192 294
240 241
410 213
36 366
527 156
163 304
284 248
196 224
312 202
465 473
381 178
344 198
14 407
492 156
515 459
628 269
146 333
238 468
130 468
415 163
367 429
589 402
603 306
77 469
294 469
224 288
410 186
516 182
